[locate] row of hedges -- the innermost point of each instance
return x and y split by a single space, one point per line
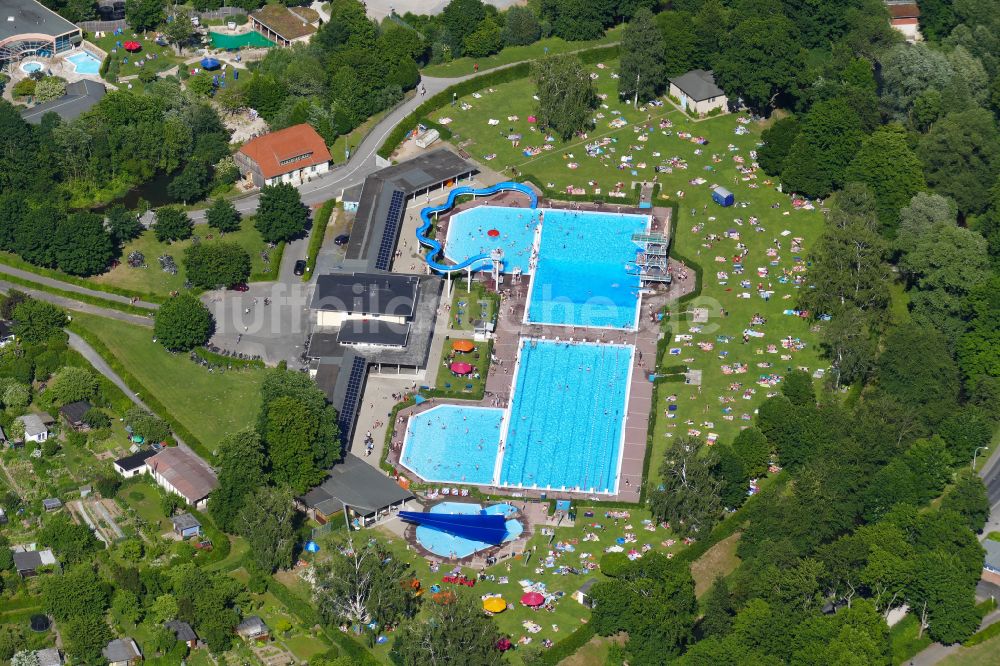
566 647
491 78
320 221
227 361
137 387
308 616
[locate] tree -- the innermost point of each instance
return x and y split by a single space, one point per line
361 583
182 323
759 61
521 27
455 632
6 556
125 604
267 521
123 225
689 497
966 430
180 30
968 499
735 480
917 369
143 15
151 428
577 20
163 609
979 347
71 384
943 267
73 543
797 386
36 321
486 40
49 88
753 450
322 418
172 224
461 18
16 395
210 265
778 140
887 165
24 658
565 93
643 64
924 212
290 431
677 29
86 636
908 71
280 213
961 156
76 593
830 137
191 184
131 550
719 610
222 215
242 461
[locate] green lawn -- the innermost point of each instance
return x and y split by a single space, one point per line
209 404
166 57
154 280
724 403
568 613
144 497
550 45
905 644
479 358
466 306
984 654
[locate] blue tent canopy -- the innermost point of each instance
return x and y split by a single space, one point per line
210 63
477 527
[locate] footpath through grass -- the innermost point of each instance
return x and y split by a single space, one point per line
512 54
209 404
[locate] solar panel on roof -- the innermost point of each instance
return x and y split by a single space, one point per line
393 218
351 396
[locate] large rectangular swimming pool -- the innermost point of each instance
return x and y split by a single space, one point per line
583 274
567 417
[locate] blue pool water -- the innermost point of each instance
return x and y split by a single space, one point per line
582 276
567 416
447 545
31 66
451 443
468 235
85 62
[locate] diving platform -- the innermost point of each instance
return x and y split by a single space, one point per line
651 261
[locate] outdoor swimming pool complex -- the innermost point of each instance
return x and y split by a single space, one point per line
583 274
447 545
564 429
85 62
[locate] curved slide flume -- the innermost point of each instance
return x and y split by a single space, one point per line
435 247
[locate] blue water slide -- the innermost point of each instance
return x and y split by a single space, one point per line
477 527
435 247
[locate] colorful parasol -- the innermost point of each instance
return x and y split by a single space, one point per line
532 599
461 368
132 47
463 345
494 605
493 233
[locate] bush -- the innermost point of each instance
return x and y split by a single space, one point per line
183 323
108 486
95 418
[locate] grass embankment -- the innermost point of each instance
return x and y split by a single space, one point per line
512 54
198 403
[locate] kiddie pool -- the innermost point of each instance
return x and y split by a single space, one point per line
449 545
31 66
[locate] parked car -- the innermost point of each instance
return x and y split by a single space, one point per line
341 239
242 286
300 267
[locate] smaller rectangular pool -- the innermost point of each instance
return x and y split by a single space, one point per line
453 443
85 62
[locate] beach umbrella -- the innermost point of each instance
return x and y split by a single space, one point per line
532 599
463 345
493 233
504 644
312 547
132 47
461 368
210 63
494 605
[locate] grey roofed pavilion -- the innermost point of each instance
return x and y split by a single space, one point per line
30 17
698 84
357 484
